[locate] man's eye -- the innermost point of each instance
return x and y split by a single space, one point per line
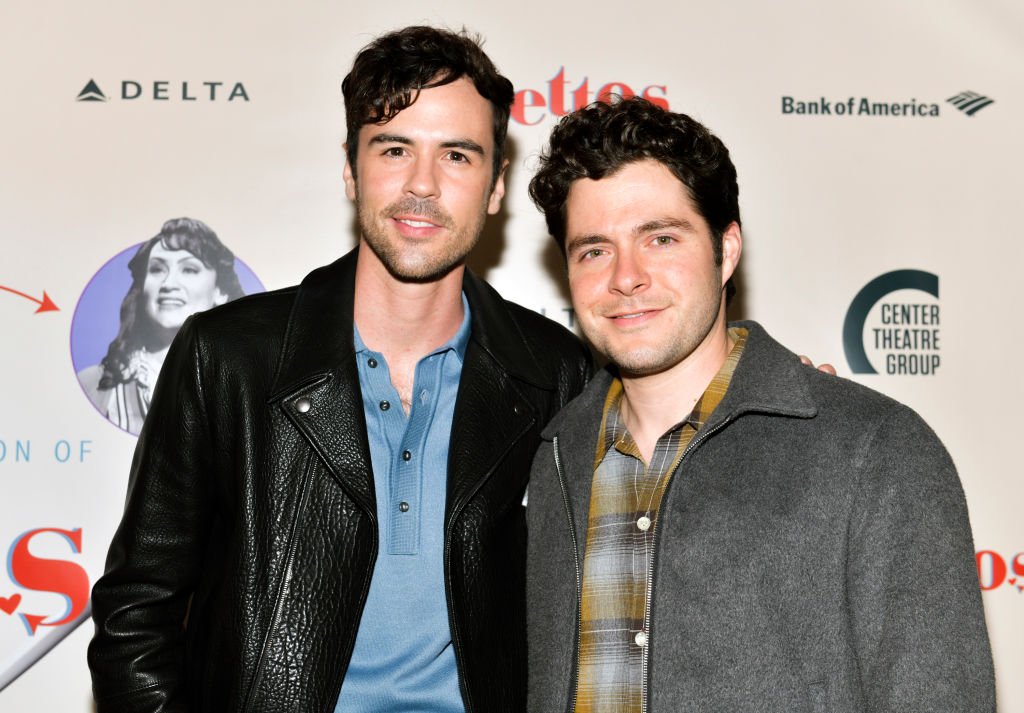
457 157
394 151
664 240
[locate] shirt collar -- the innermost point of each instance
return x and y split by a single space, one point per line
614 430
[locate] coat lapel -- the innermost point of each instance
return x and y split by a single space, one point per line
317 383
492 412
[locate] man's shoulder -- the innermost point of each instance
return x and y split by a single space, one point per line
252 320
837 402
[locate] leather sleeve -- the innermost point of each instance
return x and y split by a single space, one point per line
141 602
915 604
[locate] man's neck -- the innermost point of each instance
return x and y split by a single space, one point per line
404 321
654 403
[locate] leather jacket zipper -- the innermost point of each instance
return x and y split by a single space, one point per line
574 678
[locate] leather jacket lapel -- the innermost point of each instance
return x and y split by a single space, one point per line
317 384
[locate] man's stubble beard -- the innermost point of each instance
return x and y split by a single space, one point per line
408 261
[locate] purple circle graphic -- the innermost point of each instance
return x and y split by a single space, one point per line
96 324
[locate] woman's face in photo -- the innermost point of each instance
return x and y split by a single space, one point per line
178 284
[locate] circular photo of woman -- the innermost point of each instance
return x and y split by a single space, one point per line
117 353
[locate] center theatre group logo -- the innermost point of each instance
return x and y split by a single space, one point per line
532 106
163 90
967 102
905 330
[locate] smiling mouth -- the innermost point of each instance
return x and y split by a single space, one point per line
412 223
170 302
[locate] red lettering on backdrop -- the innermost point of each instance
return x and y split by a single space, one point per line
656 99
526 99
555 102
612 91
1018 564
998 567
47 575
556 93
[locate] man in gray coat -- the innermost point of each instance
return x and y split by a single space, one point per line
712 525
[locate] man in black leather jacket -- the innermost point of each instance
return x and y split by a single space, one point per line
255 565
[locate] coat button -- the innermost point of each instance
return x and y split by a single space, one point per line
641 639
303 405
517 410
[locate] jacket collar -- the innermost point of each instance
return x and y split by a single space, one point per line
319 333
317 384
768 379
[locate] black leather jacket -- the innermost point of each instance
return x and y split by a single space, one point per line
251 514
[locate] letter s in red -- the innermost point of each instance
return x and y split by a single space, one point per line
49 575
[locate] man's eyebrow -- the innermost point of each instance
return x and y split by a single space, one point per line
581 241
652 226
463 144
390 139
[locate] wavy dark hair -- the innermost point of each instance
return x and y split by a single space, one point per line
601 138
389 73
135 333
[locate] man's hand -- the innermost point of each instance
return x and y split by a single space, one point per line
827 368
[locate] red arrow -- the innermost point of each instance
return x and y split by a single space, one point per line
45 304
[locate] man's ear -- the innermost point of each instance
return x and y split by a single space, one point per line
348 174
732 248
498 192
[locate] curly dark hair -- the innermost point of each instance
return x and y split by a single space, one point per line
601 138
134 332
389 73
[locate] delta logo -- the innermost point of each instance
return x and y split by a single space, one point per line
166 91
968 103
561 95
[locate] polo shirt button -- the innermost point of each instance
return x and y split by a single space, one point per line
406 455
403 506
385 405
372 363
644 523
641 639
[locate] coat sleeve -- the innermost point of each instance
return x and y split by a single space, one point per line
915 603
140 604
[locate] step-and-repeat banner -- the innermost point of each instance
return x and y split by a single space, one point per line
879 152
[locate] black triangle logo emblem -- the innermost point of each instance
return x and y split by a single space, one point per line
91 93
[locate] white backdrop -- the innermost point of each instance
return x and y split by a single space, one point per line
831 200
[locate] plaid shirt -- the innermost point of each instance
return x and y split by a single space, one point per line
624 507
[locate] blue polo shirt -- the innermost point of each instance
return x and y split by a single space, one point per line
403 661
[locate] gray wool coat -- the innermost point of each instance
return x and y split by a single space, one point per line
813 553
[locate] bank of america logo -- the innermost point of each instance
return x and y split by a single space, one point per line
91 93
970 103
